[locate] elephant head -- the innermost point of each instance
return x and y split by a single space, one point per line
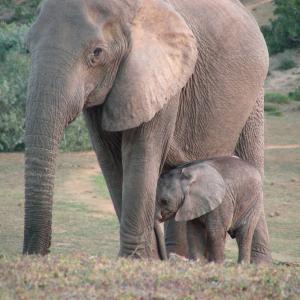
130 56
189 192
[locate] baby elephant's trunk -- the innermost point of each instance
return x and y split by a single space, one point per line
160 240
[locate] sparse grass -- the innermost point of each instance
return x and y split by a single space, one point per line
101 186
272 110
282 194
286 64
84 277
277 98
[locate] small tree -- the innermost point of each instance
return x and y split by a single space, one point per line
284 30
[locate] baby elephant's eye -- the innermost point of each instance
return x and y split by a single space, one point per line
97 51
164 202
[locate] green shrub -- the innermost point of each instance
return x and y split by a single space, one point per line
295 95
14 71
286 64
22 12
277 98
14 66
284 31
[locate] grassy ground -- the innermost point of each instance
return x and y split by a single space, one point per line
85 237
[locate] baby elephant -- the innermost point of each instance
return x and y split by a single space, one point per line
214 196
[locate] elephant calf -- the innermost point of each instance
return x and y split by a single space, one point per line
214 196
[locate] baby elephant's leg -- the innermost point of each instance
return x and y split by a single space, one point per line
216 245
244 234
244 237
196 235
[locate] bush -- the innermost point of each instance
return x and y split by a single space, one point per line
14 71
286 64
14 65
295 95
22 12
284 31
277 98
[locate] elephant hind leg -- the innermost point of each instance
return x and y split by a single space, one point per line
250 147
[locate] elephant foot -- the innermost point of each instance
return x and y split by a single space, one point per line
36 241
261 256
260 249
144 247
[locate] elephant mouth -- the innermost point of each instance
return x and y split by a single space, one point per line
166 216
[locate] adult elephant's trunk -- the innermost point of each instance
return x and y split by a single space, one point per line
46 119
40 158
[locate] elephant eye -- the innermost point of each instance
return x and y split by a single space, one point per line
95 57
97 51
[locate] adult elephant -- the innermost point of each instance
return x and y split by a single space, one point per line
160 83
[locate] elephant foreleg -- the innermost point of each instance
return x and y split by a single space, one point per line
250 147
143 154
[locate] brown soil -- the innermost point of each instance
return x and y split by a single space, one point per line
80 184
269 147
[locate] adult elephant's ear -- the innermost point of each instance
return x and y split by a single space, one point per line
161 60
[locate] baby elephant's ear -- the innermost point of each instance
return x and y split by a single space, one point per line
203 188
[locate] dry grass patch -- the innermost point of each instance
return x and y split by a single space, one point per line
83 277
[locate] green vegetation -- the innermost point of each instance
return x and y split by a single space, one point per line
14 65
284 31
21 12
286 64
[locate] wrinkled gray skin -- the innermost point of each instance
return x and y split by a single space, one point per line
215 196
160 84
